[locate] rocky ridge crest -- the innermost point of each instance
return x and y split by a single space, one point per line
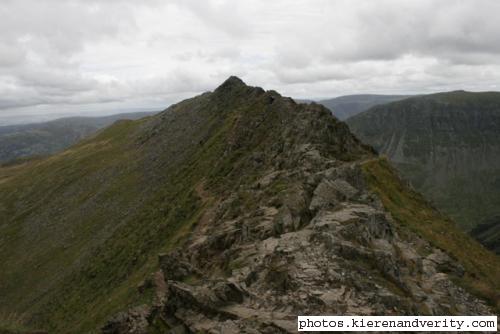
305 237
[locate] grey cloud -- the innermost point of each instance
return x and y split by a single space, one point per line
390 29
312 74
91 52
224 16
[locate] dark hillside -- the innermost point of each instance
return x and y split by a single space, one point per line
447 145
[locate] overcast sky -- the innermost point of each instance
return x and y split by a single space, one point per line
88 56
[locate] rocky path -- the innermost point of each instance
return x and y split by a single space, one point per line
328 248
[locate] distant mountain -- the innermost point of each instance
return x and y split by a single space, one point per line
39 139
447 145
230 212
346 106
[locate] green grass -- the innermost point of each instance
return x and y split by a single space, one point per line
13 324
89 258
412 211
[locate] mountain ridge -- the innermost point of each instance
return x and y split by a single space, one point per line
244 194
347 106
41 139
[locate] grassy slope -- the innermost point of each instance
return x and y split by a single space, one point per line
85 260
51 256
411 210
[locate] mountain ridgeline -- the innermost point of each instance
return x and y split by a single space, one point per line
233 211
347 106
41 139
447 145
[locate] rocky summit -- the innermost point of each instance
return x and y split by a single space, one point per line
231 212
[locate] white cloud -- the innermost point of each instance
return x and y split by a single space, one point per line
88 54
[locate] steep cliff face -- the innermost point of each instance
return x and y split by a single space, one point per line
236 210
447 145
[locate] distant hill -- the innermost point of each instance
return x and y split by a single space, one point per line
346 106
447 145
39 139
